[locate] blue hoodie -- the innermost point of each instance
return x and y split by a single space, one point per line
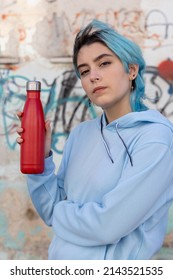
111 196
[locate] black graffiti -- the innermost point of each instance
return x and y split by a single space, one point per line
64 101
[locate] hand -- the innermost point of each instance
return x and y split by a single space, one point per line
48 134
48 138
19 130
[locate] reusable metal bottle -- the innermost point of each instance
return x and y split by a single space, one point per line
32 147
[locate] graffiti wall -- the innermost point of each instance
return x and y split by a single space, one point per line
36 40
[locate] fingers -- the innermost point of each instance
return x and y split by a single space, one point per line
47 125
19 130
47 138
48 128
19 114
19 140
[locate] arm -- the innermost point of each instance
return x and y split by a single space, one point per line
141 191
46 189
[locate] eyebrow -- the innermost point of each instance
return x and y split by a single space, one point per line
95 59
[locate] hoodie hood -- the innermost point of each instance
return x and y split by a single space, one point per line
135 118
128 121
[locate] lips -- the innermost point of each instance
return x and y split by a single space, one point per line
98 89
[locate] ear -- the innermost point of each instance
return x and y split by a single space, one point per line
133 71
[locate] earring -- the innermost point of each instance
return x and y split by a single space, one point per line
132 77
133 84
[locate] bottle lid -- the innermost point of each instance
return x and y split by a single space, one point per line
33 85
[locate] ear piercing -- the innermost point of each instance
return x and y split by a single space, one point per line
132 78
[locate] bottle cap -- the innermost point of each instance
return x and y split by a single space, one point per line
33 85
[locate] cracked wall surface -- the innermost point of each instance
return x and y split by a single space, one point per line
36 41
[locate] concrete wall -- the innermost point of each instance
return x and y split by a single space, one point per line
36 39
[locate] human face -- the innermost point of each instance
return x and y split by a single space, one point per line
104 79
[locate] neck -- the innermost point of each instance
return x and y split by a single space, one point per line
113 115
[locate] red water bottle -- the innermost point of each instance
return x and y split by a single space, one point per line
32 147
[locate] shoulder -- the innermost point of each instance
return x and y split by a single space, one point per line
157 133
85 126
84 129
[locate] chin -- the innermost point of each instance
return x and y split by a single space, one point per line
104 106
103 103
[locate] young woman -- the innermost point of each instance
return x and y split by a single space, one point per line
111 196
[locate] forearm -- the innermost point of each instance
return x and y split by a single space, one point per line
138 196
45 190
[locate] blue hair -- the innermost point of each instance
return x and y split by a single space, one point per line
127 51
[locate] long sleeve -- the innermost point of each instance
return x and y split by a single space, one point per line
46 189
141 191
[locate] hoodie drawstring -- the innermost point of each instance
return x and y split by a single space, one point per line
130 158
107 147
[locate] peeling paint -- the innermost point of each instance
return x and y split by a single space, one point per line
31 34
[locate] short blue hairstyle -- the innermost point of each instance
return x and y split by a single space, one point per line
126 50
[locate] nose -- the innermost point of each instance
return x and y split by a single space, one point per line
94 76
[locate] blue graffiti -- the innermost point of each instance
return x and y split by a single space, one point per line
65 101
58 98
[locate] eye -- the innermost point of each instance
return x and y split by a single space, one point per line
84 72
104 63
